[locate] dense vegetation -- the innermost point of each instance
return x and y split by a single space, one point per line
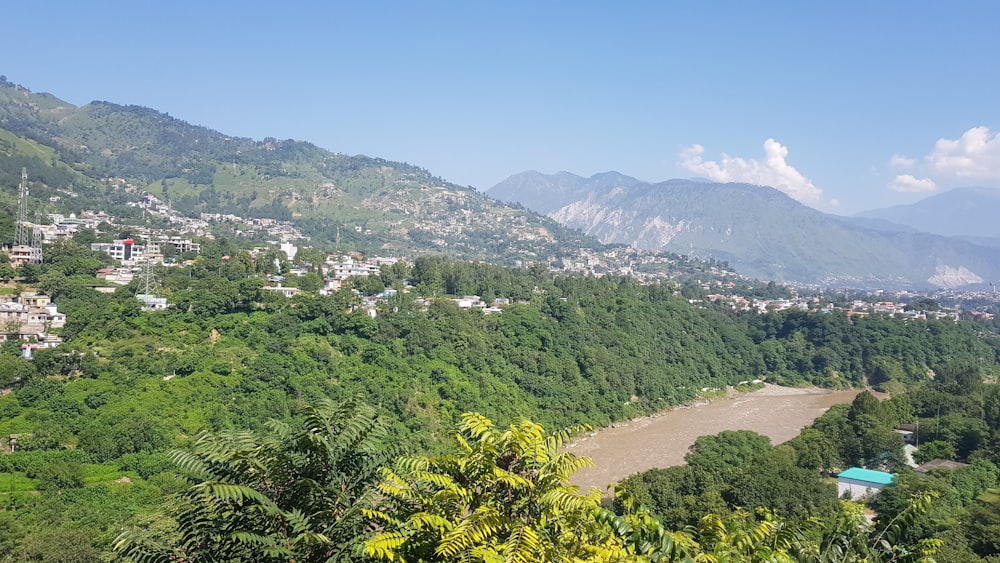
501 496
96 415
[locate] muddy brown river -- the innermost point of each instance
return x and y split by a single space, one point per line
662 440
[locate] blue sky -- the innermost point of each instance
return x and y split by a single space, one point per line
845 106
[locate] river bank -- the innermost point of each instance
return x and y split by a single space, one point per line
662 439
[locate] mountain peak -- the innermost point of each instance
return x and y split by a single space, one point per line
967 211
759 230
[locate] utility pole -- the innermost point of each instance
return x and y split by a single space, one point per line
148 285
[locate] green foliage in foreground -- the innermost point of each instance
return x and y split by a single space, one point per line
288 494
501 496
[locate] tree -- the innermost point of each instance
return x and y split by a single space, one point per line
311 282
503 497
290 494
720 457
60 475
935 449
851 538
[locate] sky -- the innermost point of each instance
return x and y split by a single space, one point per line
845 106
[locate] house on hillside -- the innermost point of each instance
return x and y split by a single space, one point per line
286 291
860 483
909 433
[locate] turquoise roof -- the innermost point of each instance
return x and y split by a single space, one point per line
868 475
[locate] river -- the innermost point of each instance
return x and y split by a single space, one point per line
661 440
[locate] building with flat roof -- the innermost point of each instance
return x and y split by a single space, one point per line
860 483
123 250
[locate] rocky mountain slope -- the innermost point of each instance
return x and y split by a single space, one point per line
758 230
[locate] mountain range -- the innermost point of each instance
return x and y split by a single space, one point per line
966 212
102 152
759 230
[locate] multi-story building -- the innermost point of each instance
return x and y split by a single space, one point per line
29 317
179 244
123 250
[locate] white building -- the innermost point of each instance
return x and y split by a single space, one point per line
30 317
286 291
123 250
347 267
179 244
861 483
152 302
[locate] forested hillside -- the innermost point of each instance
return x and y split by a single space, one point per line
958 418
129 385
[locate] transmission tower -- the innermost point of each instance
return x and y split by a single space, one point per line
22 236
36 240
147 289
148 286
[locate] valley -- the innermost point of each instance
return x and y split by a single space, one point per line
240 321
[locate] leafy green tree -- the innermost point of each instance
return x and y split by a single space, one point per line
311 282
15 369
982 529
291 494
850 537
935 449
60 475
59 545
725 453
504 497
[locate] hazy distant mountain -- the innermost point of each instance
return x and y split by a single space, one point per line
759 230
545 193
973 212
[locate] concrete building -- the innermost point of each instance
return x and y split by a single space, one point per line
123 250
181 245
859 483
30 317
347 267
286 291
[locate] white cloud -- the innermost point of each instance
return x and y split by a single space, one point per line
906 183
773 171
976 155
900 161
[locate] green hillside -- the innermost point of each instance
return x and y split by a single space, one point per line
234 425
376 205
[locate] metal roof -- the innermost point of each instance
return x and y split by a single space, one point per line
868 475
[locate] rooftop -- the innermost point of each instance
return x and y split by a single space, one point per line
868 475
